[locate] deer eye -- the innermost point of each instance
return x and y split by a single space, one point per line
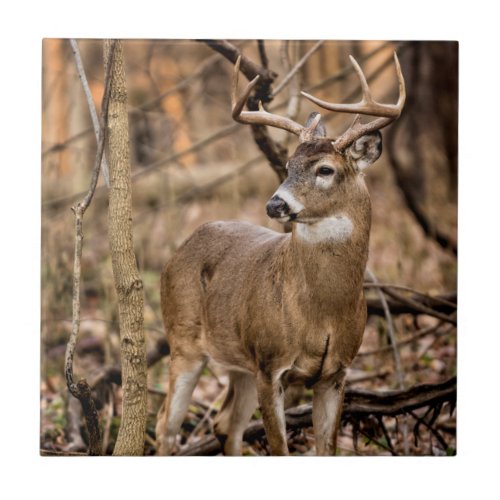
325 171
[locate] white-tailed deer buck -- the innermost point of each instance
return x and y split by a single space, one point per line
271 307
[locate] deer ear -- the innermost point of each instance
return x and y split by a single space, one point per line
319 130
366 150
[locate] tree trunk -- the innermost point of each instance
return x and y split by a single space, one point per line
128 282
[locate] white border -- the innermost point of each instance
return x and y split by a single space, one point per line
474 471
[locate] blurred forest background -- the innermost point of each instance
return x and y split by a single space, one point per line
191 163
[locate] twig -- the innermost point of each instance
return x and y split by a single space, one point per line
206 189
179 87
377 443
388 438
90 104
207 414
429 426
81 390
294 101
379 375
296 68
391 331
348 69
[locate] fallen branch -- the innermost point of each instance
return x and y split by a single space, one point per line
413 306
357 404
428 298
419 306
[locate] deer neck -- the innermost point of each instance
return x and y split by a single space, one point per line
328 258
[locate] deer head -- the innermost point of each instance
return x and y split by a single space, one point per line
324 174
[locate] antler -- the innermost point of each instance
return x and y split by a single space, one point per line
387 113
262 117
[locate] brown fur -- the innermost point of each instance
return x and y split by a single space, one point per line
271 307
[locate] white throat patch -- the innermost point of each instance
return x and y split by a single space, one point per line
335 229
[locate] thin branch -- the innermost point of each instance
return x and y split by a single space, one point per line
179 87
348 69
431 429
297 67
391 331
294 100
387 437
206 416
90 103
377 443
81 390
206 189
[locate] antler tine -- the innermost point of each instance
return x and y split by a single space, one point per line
367 96
238 104
367 105
402 88
261 117
387 113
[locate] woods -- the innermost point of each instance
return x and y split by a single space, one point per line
189 166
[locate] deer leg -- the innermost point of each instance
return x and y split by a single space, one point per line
328 398
240 403
183 377
271 398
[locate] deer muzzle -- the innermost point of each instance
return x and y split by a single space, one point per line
277 207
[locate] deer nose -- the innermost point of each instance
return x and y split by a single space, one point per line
277 207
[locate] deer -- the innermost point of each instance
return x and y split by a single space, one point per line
279 308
